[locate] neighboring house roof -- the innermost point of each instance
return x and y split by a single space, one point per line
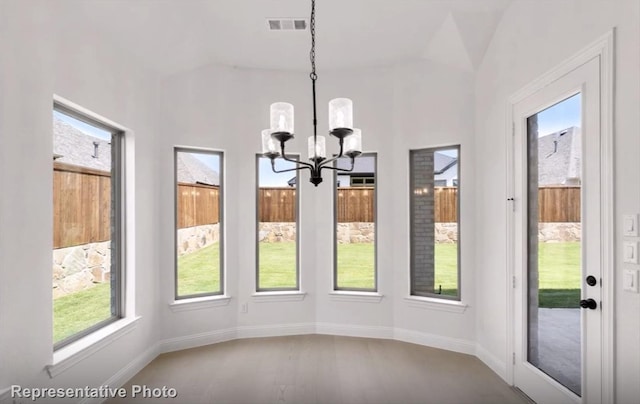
442 162
73 146
193 171
445 168
559 157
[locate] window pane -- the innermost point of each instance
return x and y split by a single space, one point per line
355 228
554 236
277 204
85 226
434 222
199 223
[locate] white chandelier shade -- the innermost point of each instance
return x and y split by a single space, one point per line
353 142
317 149
340 113
281 117
269 145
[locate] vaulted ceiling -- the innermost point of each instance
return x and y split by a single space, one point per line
170 36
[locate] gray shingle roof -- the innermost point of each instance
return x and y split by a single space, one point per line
79 148
193 171
559 157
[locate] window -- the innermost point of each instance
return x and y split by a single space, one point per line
355 225
277 202
199 223
88 273
435 253
362 181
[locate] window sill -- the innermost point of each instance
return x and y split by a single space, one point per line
198 303
352 296
278 296
68 356
436 304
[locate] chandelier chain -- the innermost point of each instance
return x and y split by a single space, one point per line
312 28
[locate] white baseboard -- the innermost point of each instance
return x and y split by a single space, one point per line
349 330
259 331
435 341
197 340
494 363
127 372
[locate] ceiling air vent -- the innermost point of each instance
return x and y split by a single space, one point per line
287 24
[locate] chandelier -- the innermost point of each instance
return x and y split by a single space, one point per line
340 127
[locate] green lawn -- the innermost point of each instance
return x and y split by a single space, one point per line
78 311
356 263
277 265
559 274
199 273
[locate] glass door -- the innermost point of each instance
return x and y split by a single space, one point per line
557 240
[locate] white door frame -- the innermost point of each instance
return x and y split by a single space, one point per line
604 49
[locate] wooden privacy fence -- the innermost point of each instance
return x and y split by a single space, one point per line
197 204
559 204
277 204
355 204
81 205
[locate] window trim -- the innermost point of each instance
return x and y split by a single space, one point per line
118 227
412 292
336 288
221 221
257 288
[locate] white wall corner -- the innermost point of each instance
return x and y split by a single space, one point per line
493 362
127 372
435 341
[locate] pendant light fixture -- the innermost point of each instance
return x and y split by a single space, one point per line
340 127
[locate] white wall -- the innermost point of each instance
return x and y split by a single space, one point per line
42 55
412 106
532 38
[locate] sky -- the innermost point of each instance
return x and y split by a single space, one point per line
562 115
270 179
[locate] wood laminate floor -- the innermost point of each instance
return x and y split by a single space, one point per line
321 369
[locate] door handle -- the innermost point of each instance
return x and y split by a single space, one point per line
588 304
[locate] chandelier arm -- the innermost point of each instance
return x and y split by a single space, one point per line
299 165
290 169
340 169
283 155
334 158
